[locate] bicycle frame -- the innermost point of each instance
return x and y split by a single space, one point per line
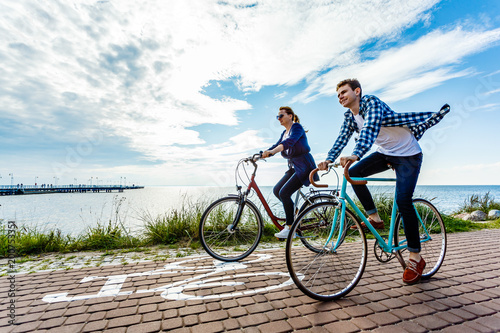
386 246
253 185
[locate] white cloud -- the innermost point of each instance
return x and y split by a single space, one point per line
405 71
137 69
489 107
492 92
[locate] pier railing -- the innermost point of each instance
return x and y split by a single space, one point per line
48 188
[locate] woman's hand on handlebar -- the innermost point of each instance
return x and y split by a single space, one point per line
345 159
324 165
267 154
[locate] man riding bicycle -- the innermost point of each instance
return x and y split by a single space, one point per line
396 136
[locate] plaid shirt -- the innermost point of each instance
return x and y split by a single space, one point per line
377 114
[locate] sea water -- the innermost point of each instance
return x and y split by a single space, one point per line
73 213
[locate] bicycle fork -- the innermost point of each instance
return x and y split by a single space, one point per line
242 202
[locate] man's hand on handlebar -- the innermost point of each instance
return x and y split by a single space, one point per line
345 159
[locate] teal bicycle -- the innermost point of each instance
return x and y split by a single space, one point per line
334 260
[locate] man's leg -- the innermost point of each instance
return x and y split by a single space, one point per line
368 166
407 171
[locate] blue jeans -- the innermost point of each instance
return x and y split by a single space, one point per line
407 170
284 190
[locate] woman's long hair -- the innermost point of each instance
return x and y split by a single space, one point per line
295 118
289 110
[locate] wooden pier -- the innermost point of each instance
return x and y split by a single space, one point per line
41 189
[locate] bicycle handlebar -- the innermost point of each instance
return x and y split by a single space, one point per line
348 178
346 175
255 157
311 179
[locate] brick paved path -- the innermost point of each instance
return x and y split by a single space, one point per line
463 297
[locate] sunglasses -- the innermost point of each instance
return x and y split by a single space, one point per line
280 116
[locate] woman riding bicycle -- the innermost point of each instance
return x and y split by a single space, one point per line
293 146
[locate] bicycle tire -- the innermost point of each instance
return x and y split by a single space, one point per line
214 230
315 199
433 251
327 275
312 200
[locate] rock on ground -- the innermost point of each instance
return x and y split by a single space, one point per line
478 215
463 216
494 214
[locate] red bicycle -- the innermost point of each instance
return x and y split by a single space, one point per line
231 227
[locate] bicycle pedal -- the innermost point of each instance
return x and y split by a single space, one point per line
281 239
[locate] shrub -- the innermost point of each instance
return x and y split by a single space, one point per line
483 203
178 225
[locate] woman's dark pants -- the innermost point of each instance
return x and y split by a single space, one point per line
284 190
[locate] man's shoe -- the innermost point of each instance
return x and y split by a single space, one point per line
413 271
376 225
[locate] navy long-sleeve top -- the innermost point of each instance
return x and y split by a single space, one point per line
297 151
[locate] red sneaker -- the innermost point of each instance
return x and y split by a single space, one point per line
413 271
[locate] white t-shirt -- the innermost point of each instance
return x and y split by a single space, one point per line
394 141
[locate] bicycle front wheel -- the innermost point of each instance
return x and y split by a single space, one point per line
230 229
326 271
432 236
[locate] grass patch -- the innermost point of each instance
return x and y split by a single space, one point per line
105 237
474 202
29 241
34 241
178 228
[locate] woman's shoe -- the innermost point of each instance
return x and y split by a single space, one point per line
283 234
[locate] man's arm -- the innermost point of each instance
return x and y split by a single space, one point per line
374 113
343 138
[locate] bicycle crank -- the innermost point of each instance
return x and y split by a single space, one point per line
382 255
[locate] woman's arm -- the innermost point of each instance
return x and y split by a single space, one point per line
274 149
296 132
279 148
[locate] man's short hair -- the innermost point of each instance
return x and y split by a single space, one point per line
353 83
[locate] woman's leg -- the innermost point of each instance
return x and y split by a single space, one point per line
367 166
277 188
285 195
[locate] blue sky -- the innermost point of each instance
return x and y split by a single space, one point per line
176 92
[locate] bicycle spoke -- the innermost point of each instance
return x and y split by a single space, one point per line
223 242
432 235
321 271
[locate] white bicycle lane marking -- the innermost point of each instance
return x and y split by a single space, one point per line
175 291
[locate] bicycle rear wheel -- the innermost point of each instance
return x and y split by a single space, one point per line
432 236
229 229
318 269
321 197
